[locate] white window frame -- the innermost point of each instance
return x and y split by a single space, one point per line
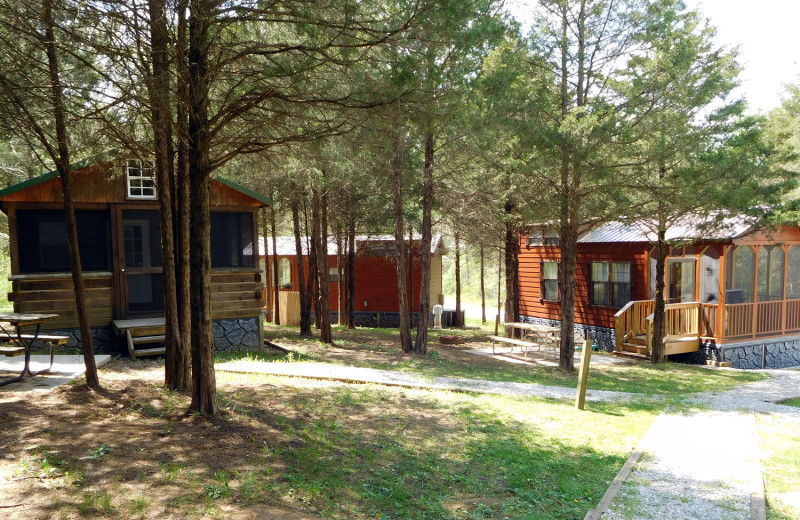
145 179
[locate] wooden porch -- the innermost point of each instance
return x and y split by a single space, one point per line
687 324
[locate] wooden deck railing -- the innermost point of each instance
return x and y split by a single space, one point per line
738 321
709 320
630 321
761 319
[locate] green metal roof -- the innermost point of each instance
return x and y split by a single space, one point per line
53 174
250 193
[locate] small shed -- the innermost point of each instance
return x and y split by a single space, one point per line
120 246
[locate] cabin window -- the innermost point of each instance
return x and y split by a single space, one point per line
539 237
232 240
333 274
285 273
43 245
610 283
770 274
140 180
550 279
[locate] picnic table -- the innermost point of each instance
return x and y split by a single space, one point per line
22 342
529 335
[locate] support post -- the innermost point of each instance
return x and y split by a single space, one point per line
583 374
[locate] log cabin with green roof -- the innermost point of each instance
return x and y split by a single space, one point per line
120 246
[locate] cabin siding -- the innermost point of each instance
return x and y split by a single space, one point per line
104 183
376 282
530 258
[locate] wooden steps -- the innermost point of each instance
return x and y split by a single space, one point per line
147 331
636 347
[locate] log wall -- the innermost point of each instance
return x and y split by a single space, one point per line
54 294
532 305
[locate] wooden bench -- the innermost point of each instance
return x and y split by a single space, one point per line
523 344
18 350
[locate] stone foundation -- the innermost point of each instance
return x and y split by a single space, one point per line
236 334
764 353
104 340
228 334
604 337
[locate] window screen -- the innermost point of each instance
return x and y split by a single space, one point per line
43 245
232 240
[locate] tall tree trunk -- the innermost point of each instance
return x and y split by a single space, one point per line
511 264
275 273
657 352
457 320
339 275
351 272
204 388
313 266
268 285
320 213
159 92
483 289
500 259
568 238
62 160
181 192
423 321
305 307
400 244
410 267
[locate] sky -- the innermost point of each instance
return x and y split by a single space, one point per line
766 32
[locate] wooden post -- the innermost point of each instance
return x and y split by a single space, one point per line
757 250
583 374
723 276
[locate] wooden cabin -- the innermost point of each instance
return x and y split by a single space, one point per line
120 247
375 276
732 295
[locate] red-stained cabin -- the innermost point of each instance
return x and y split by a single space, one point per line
732 294
376 297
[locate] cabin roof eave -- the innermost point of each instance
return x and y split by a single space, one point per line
89 161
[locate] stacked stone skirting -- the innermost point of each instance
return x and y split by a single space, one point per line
229 334
764 353
603 337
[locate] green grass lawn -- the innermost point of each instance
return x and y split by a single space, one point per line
378 348
780 445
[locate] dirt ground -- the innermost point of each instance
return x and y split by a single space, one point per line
75 453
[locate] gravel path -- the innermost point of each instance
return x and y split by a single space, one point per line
387 377
706 465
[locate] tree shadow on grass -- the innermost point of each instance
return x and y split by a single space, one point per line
332 449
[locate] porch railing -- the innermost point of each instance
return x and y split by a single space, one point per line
761 319
738 321
680 319
630 321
